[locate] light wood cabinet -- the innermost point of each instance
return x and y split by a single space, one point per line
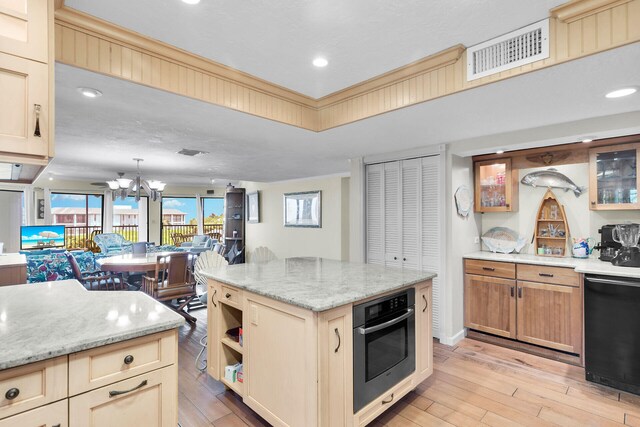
424 333
149 400
24 28
25 91
542 307
490 305
213 333
496 186
53 415
613 177
550 316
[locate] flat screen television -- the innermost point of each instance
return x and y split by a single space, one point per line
41 236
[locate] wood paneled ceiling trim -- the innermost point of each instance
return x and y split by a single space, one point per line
577 9
577 29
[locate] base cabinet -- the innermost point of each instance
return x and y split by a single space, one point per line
148 400
424 333
540 305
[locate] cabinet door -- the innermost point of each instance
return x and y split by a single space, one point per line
613 179
392 215
24 28
496 186
490 305
550 316
149 400
213 333
53 415
24 86
375 213
335 355
424 335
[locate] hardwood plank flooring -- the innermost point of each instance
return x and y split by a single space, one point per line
474 383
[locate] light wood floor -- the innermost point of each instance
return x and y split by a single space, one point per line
473 384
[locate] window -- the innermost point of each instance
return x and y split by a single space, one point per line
81 214
130 218
213 216
179 219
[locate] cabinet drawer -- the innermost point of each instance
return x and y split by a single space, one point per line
106 365
506 270
231 296
53 415
555 275
148 400
33 385
382 403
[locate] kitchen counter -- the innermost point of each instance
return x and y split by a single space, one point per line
13 269
45 320
587 266
316 284
10 260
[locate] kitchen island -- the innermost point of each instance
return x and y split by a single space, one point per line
73 357
297 347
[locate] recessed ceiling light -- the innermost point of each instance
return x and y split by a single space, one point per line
89 92
621 92
191 1
320 62
500 152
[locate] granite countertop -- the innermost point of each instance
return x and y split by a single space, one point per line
45 320
316 284
8 260
590 265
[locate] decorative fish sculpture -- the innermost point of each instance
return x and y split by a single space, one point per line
551 178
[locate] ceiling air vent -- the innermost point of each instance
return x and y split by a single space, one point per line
191 153
520 47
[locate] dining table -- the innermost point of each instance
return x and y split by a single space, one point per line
131 263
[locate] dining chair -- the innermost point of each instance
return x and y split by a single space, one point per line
172 281
260 255
207 260
98 279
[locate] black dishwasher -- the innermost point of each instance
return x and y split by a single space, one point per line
612 331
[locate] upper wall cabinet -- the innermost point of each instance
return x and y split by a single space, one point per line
24 28
496 186
613 177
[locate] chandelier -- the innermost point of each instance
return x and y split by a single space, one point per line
122 187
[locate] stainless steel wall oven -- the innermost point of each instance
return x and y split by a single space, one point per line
383 345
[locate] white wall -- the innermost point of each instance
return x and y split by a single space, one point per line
330 241
582 221
461 234
10 220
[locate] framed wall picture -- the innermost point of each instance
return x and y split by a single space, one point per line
303 209
253 207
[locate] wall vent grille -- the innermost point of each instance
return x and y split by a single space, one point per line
520 47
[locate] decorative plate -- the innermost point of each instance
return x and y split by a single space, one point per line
464 200
503 240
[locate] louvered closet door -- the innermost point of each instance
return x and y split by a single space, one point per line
431 247
375 213
411 230
392 215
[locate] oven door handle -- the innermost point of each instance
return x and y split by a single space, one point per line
365 331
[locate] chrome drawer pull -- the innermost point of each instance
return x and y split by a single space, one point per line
426 303
384 402
488 268
117 393
545 274
12 393
339 341
215 291
227 296
128 360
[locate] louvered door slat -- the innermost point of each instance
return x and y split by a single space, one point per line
410 213
374 213
392 209
431 246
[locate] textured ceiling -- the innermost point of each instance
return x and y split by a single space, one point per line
97 137
276 40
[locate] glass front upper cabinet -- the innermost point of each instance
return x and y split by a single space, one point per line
613 181
495 190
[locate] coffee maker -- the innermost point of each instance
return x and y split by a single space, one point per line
607 247
629 254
